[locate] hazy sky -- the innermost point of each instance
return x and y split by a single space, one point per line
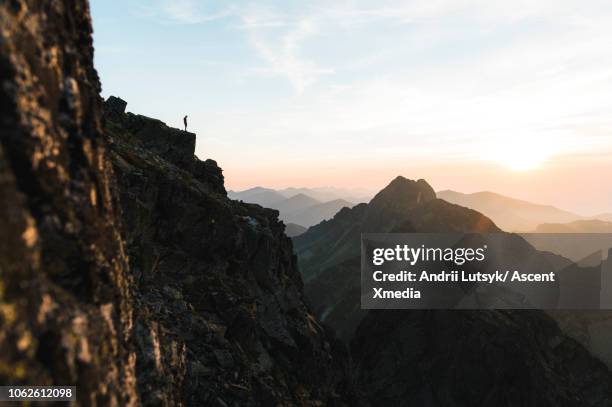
510 96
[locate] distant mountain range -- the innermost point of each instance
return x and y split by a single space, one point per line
389 346
607 217
302 207
515 215
259 195
295 203
308 206
325 194
292 230
578 226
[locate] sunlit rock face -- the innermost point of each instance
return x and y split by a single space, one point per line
65 287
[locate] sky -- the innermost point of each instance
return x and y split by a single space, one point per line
513 97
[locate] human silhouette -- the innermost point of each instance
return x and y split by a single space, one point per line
185 122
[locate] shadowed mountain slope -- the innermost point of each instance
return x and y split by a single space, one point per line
440 358
292 230
475 358
329 253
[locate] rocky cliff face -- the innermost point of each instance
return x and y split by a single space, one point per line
220 315
65 286
124 268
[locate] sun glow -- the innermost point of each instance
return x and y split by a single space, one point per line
523 161
521 153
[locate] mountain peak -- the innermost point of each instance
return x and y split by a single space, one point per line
301 196
404 192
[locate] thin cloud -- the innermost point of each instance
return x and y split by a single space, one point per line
185 11
282 52
427 79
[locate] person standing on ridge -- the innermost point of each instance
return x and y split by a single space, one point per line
185 122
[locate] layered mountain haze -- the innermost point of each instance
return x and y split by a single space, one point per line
316 213
309 206
292 230
258 195
322 194
325 194
296 205
513 215
607 217
578 226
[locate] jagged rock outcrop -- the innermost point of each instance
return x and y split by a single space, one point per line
173 145
207 309
65 289
220 316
